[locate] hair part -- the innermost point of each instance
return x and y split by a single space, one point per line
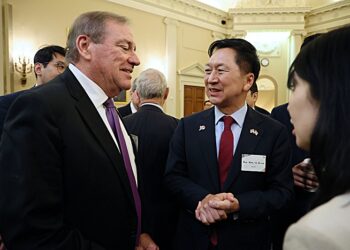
246 55
91 24
151 83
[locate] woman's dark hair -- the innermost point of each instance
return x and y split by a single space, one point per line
246 58
324 64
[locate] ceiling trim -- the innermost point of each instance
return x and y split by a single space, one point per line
194 13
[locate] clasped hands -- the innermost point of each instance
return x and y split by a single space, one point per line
216 207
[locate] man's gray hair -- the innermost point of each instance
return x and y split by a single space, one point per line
151 83
91 24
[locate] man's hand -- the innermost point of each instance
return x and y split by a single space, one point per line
227 203
2 246
215 208
146 243
304 176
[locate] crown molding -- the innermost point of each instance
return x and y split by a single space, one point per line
329 7
326 18
190 12
270 10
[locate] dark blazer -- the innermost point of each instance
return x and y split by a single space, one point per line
192 173
261 110
5 104
154 130
303 199
63 184
125 110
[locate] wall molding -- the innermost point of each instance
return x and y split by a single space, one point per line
190 12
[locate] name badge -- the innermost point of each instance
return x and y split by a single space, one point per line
253 163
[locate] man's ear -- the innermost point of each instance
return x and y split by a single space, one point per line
38 68
166 93
249 80
83 43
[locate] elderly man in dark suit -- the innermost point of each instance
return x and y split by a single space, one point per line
228 166
154 130
68 178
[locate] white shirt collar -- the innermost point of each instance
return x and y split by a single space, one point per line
238 116
153 104
133 108
95 93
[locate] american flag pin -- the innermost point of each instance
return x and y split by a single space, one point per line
201 127
253 131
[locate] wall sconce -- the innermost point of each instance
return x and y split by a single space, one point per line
23 67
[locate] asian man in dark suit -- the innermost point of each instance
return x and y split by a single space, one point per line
154 130
229 166
64 183
49 62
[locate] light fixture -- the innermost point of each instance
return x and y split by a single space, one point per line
23 67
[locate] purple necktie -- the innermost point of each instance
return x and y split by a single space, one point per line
113 120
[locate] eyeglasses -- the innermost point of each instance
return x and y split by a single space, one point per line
60 66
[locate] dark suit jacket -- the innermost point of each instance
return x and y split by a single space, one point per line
303 199
5 104
261 110
192 173
125 110
154 129
63 184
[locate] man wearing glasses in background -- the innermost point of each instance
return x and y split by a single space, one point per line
49 62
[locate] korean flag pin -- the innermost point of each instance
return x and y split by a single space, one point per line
201 127
253 131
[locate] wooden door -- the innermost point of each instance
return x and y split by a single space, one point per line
194 98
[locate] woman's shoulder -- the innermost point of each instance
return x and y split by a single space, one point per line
326 226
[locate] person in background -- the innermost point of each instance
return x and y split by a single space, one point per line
252 97
319 79
305 183
134 103
207 104
75 187
229 166
49 62
154 130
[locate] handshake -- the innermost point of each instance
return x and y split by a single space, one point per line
216 207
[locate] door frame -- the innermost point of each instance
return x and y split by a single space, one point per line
190 76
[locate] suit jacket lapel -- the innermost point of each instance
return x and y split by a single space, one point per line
247 142
206 136
97 128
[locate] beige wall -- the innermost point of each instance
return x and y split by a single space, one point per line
38 23
46 22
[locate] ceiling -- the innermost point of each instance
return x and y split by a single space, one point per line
225 5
